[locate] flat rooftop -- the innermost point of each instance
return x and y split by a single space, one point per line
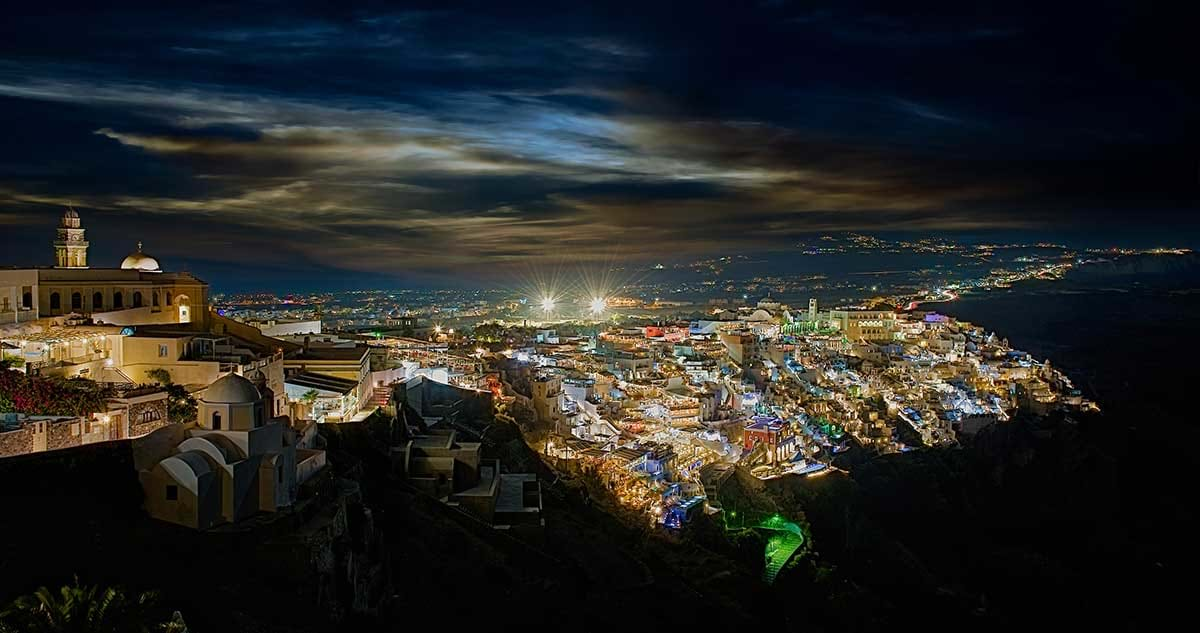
334 353
512 493
322 382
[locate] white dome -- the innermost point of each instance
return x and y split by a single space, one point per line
138 260
231 389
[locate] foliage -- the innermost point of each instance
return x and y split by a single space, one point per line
50 396
159 375
505 334
181 406
85 609
309 397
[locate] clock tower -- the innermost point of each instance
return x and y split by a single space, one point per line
70 249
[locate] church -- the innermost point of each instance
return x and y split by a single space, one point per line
137 292
236 460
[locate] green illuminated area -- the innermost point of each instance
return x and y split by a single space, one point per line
831 429
780 546
807 327
785 540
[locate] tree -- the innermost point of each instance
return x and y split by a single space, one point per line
159 375
181 406
309 397
84 609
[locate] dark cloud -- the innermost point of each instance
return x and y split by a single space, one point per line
438 140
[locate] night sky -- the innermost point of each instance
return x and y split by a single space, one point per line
287 143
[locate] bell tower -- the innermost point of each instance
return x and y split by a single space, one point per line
70 249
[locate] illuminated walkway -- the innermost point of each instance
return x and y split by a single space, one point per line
780 546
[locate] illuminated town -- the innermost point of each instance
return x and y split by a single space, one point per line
661 408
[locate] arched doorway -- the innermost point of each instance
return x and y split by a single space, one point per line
137 299
216 420
55 301
118 300
97 301
76 301
185 308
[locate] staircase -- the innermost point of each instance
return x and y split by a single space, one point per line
114 375
381 396
780 548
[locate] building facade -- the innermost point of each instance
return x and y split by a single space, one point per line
869 325
136 293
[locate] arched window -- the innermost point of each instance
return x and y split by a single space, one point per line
154 298
98 301
216 421
55 301
76 301
118 300
137 299
167 297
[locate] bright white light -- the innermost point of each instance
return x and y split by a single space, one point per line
547 304
598 305
437 328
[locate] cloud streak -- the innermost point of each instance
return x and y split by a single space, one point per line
452 141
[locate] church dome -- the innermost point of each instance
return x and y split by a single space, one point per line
71 214
138 260
231 389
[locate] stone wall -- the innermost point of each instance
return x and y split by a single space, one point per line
138 426
17 442
64 435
